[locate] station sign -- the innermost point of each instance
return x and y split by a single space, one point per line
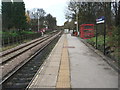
100 20
75 22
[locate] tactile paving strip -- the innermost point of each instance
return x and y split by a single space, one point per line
64 73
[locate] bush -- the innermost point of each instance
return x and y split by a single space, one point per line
15 34
112 40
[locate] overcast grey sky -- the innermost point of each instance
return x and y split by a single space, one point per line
55 7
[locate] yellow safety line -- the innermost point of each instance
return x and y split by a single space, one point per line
64 72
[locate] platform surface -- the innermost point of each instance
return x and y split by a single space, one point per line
89 70
72 64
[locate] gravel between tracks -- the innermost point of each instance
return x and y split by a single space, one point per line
11 65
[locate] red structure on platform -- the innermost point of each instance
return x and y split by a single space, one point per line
86 31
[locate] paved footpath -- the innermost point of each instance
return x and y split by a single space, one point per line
72 64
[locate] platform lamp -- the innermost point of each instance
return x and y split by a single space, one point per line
38 18
77 27
38 23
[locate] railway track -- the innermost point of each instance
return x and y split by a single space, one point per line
12 58
28 68
8 55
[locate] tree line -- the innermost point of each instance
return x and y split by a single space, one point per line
15 17
88 12
45 20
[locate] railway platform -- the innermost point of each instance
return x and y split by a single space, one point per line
72 64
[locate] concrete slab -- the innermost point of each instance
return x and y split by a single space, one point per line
44 81
54 64
51 71
57 56
47 81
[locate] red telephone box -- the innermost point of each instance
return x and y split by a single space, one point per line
86 31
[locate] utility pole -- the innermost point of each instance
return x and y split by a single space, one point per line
38 18
105 30
38 23
77 20
96 36
77 25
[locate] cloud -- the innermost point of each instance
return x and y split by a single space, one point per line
54 7
42 3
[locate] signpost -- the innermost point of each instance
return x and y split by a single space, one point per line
101 20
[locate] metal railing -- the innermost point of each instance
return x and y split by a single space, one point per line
7 41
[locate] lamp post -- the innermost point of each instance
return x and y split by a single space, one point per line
38 23
38 19
105 31
77 26
77 21
96 36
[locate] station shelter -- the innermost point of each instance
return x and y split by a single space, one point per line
87 31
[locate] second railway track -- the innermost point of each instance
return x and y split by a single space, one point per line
40 44
12 53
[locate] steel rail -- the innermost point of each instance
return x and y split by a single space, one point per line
22 64
4 53
14 53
